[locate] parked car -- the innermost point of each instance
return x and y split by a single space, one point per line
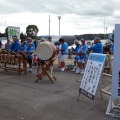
71 46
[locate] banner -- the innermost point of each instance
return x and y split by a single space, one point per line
116 64
13 31
92 74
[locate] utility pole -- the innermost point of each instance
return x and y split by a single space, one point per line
59 17
5 28
49 25
106 32
104 28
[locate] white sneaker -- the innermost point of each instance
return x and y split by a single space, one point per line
77 71
62 69
78 80
82 72
73 70
21 65
28 69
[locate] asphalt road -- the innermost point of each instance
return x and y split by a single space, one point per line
23 99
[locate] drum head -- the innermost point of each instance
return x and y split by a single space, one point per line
44 51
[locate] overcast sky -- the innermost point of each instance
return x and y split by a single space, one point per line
77 16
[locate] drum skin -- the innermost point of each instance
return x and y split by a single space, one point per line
46 50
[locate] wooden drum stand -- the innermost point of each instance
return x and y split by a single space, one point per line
7 62
47 71
46 52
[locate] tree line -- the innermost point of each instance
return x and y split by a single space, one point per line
32 30
90 36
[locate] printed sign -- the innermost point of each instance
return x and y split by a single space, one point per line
12 31
116 63
92 74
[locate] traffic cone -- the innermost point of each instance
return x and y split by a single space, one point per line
35 60
60 65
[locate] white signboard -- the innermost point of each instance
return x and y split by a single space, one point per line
12 31
116 64
92 74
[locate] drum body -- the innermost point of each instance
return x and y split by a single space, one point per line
22 55
46 50
3 56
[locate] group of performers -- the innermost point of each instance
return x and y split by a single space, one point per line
80 52
26 47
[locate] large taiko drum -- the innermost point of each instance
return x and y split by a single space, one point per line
46 50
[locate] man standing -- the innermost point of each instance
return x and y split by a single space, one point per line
97 47
74 52
82 56
29 52
64 52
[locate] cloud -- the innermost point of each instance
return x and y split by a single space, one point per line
79 7
78 16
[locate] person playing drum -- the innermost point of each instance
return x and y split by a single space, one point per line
15 47
64 52
29 40
23 46
39 62
23 49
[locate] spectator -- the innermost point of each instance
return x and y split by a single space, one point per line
106 48
112 47
97 47
7 45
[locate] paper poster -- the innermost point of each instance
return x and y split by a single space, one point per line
92 74
13 31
